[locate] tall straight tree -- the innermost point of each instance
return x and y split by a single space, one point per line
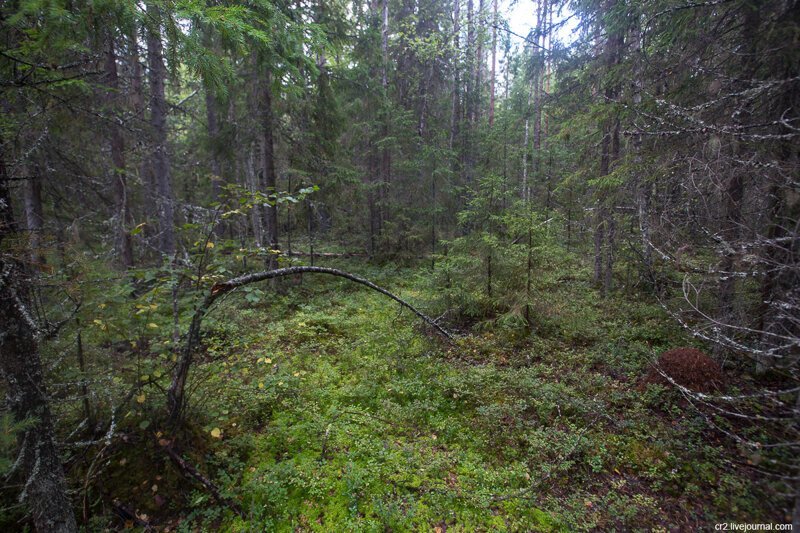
386 162
269 179
494 63
479 63
123 244
455 98
605 222
34 211
733 191
159 155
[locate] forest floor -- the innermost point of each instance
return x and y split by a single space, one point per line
328 409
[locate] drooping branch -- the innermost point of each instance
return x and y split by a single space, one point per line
175 395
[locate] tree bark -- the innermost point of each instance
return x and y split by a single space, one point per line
212 118
538 82
525 188
479 62
139 109
158 121
733 193
34 214
605 225
385 155
455 110
45 487
470 99
269 183
600 215
123 245
494 63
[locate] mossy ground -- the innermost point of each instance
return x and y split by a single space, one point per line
337 412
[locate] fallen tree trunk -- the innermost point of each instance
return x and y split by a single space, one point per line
175 395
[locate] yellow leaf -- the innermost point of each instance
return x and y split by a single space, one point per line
216 433
209 244
268 360
141 398
152 325
260 385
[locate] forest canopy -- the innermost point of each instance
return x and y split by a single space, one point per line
399 264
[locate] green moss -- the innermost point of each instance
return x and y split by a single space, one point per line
338 415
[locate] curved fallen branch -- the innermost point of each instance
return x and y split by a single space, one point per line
175 396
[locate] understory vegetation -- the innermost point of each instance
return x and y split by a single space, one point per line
322 406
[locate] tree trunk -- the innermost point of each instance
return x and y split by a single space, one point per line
45 488
608 279
479 62
470 56
600 215
733 194
212 119
643 201
34 214
138 104
214 141
494 63
611 223
538 82
385 156
455 110
256 223
269 183
123 246
524 192
605 225
643 187
158 121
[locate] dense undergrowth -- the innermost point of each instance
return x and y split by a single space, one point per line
325 408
